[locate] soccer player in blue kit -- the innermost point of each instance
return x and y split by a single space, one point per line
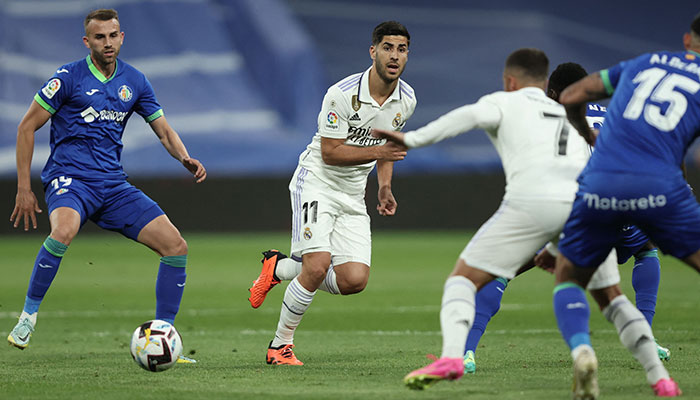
89 102
633 177
631 242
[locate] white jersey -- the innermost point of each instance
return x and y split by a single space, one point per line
349 112
541 153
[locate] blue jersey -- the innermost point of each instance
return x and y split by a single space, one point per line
653 116
88 116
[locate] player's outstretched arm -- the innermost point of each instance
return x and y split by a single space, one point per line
394 136
171 141
574 99
387 203
26 205
336 152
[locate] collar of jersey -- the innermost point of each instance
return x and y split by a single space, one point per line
363 94
96 72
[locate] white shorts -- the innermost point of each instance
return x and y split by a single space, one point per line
327 220
514 234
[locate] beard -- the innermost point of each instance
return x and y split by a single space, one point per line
384 75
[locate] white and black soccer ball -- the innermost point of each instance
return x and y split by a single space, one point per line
156 345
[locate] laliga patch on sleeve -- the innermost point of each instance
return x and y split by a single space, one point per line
332 120
51 88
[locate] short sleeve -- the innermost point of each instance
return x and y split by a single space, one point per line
55 91
611 77
147 106
333 118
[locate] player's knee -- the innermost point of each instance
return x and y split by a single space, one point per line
352 279
175 247
63 234
352 287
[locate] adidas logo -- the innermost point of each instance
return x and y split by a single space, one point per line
355 117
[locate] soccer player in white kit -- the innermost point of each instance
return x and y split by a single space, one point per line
542 155
330 225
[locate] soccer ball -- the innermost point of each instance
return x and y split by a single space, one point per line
156 345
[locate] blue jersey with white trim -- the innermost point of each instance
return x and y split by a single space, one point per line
653 116
88 116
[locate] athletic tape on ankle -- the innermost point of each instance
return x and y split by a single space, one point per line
174 261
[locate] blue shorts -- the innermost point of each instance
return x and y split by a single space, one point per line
664 208
630 240
113 205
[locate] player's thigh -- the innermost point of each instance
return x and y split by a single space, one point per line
513 235
631 240
128 210
674 224
606 275
351 238
163 237
314 211
66 197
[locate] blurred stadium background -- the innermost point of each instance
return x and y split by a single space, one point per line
242 80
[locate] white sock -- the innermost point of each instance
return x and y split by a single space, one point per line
32 317
456 315
296 300
287 269
330 284
635 334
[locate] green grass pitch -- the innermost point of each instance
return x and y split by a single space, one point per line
355 347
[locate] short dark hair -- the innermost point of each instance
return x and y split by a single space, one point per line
389 28
564 75
103 14
531 63
695 25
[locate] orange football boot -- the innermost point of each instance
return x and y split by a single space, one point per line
266 280
282 355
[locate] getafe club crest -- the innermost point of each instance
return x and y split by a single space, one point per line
397 120
356 103
125 93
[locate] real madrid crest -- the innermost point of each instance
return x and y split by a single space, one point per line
356 103
397 120
307 233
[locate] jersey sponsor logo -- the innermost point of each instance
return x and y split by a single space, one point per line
332 120
362 137
613 203
125 93
51 88
90 114
92 91
355 117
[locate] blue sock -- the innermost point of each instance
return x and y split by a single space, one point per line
45 269
572 312
488 301
645 281
169 287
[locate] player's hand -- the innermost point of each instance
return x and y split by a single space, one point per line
387 203
393 136
196 168
545 260
26 208
391 151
